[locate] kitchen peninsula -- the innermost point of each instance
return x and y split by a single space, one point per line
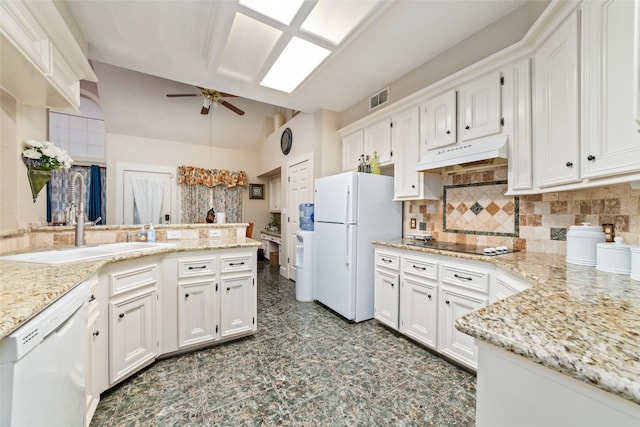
563 352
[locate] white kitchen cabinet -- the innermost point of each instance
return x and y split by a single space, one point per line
439 121
238 297
409 184
274 194
479 107
610 142
237 304
96 349
377 137
516 103
419 300
132 334
197 311
352 149
133 323
504 285
386 287
556 107
453 343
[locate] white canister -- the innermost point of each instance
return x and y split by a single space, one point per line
581 244
635 262
219 217
614 258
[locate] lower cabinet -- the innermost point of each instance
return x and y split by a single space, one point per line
132 334
454 343
237 305
419 311
197 310
422 295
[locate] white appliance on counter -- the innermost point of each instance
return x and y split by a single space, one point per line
351 210
42 366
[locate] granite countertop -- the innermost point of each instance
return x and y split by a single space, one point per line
575 320
27 288
271 233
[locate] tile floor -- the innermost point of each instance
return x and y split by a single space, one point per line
305 367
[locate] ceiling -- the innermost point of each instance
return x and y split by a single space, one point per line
196 43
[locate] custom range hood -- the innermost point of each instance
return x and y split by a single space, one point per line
489 150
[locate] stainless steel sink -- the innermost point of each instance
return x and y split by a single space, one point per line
85 253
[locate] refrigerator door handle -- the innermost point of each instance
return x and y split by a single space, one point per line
347 258
346 213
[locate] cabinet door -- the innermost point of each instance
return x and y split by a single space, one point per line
377 137
196 312
406 140
352 149
132 335
419 311
237 305
610 138
386 297
479 108
556 107
454 343
274 195
438 122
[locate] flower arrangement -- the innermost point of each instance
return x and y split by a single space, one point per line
45 155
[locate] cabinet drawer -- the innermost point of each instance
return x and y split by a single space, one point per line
124 281
191 267
387 260
420 267
476 280
237 263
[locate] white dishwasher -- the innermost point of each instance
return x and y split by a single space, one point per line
42 366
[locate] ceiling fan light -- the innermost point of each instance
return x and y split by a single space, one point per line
206 103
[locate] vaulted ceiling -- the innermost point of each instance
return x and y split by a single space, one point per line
206 43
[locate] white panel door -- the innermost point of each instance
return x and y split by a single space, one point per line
419 311
352 149
299 190
406 137
610 138
556 113
237 305
196 311
479 107
129 215
438 127
386 297
377 137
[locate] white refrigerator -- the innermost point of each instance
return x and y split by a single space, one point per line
351 210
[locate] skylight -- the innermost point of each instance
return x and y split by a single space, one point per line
296 62
280 10
336 19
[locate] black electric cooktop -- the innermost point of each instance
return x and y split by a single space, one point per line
457 247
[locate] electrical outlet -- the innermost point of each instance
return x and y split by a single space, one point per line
412 223
174 234
215 233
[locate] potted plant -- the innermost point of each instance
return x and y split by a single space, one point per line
41 157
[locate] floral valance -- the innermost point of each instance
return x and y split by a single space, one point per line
211 177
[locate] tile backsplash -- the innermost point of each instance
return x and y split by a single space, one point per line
474 210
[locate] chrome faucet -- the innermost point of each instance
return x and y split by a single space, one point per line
77 209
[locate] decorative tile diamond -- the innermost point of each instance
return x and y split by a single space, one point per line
480 208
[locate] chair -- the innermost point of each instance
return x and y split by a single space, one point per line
250 230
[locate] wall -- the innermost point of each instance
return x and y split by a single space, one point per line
132 149
19 123
497 36
543 218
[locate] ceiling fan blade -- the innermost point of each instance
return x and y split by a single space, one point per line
182 94
205 110
232 108
227 95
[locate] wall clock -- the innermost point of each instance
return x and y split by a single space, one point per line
285 141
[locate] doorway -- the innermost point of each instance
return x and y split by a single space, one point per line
299 190
146 194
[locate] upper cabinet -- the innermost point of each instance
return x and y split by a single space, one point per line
473 110
556 112
479 107
409 184
610 139
377 137
41 63
275 203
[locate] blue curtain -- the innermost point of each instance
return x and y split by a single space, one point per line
95 193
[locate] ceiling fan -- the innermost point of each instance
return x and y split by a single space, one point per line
211 97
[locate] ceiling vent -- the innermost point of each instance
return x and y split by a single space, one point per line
379 99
